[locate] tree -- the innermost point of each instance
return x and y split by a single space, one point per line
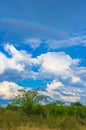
26 100
76 104
59 103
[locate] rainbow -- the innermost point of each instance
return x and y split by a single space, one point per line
31 24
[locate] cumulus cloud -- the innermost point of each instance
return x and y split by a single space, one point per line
10 63
50 64
17 63
69 78
9 89
58 65
58 91
56 62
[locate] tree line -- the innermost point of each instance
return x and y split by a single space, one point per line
31 106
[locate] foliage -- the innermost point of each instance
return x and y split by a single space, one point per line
26 100
76 104
27 109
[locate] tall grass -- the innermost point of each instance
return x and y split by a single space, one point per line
26 113
11 120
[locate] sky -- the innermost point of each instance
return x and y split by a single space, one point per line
43 44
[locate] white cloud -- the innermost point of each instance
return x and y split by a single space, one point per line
8 89
75 79
70 98
2 63
58 91
33 42
55 43
68 77
13 62
54 85
48 65
56 62
72 41
18 60
16 55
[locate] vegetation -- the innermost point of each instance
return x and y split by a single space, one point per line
27 112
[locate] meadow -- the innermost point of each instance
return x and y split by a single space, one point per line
26 112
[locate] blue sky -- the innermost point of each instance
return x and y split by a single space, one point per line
43 44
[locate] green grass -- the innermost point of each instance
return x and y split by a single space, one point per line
25 113
44 128
11 120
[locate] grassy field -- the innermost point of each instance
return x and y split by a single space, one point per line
44 128
18 121
35 128
27 114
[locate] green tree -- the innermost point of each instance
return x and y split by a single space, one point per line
76 104
26 100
